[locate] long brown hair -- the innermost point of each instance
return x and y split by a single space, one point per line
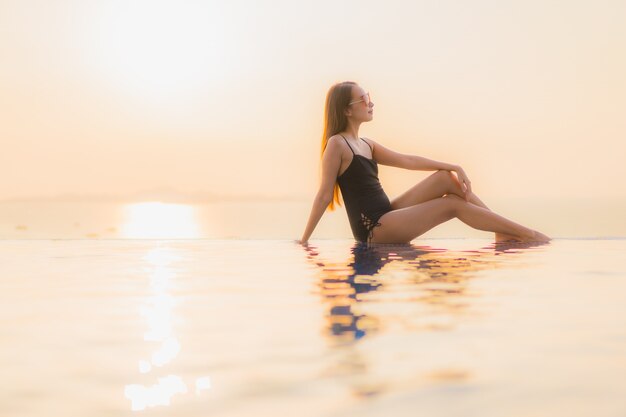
335 121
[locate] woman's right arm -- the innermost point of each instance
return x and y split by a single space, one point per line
331 161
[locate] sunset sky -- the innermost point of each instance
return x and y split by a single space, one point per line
114 97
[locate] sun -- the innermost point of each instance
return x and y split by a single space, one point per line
156 220
156 48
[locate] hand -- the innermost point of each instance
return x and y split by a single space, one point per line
465 182
307 247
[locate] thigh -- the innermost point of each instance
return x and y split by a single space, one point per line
405 224
434 186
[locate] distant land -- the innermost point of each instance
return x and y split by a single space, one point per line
163 194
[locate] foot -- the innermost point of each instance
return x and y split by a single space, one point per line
538 237
542 237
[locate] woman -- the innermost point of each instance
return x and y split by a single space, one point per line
350 164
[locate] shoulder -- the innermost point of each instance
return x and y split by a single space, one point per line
334 146
369 141
335 143
334 140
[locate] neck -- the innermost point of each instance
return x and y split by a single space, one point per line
352 130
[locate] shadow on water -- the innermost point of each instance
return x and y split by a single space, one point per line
401 285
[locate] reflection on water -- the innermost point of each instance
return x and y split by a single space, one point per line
157 311
419 288
415 273
241 327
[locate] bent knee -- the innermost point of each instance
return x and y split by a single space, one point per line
444 174
451 182
447 178
454 203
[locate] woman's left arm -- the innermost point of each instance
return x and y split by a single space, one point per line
386 156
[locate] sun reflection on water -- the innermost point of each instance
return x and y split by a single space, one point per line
157 311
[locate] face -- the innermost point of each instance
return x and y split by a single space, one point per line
362 106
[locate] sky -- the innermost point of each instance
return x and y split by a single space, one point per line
115 97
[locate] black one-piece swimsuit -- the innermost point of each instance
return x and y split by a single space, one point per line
363 195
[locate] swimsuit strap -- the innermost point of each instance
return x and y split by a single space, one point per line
347 143
368 145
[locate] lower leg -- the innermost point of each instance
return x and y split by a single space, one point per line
476 201
500 237
482 218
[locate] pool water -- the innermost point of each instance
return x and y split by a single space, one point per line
233 327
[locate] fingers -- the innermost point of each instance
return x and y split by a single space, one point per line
468 191
467 183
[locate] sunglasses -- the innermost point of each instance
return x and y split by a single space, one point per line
366 98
